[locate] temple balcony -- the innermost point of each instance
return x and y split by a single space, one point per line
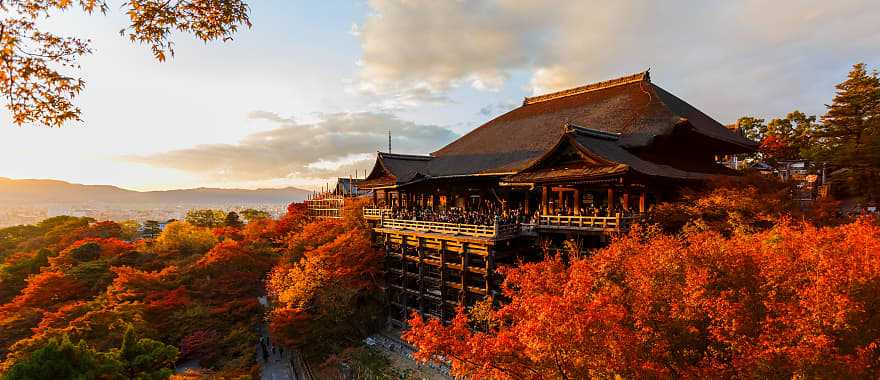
375 213
490 232
498 231
599 224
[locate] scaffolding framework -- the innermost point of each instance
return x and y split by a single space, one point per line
433 274
329 207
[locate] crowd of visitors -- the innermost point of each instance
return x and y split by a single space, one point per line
460 216
490 215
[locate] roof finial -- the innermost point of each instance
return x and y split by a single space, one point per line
389 141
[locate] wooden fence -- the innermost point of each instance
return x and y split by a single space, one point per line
593 223
375 213
475 230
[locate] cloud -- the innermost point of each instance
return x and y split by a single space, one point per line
418 50
727 56
337 145
268 116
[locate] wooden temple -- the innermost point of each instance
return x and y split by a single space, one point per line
582 163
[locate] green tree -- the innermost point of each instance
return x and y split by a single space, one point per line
151 229
145 358
61 359
752 128
253 214
790 138
232 220
851 131
206 218
130 229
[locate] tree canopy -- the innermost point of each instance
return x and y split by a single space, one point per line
38 79
794 301
851 131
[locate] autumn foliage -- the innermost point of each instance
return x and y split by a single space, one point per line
326 288
88 281
791 301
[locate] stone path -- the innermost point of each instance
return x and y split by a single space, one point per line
275 365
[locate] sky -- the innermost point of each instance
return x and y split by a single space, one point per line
312 89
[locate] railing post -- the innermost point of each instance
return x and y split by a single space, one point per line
497 226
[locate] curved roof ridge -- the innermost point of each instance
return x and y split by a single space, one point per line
405 156
574 128
639 77
702 122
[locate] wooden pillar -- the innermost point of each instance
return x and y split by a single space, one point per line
490 266
577 201
375 198
526 203
435 201
464 270
626 200
442 250
387 267
610 201
421 253
643 200
545 200
559 203
404 295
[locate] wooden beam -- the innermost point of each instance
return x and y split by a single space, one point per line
577 201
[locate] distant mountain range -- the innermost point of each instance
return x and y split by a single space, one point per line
24 192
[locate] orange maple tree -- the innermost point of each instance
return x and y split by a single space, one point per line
792 301
326 288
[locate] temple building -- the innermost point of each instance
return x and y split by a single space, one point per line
575 165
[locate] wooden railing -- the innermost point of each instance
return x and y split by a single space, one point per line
591 223
571 222
375 213
475 230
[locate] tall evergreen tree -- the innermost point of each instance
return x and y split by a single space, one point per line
851 131
232 220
